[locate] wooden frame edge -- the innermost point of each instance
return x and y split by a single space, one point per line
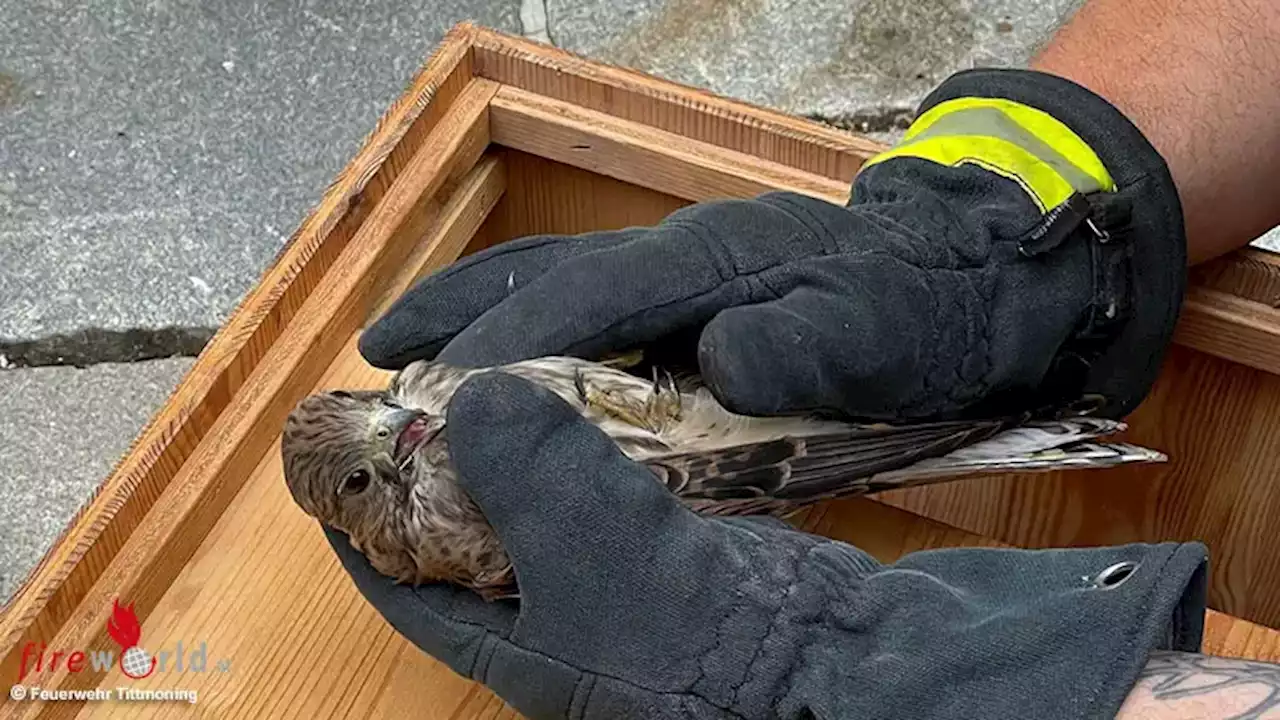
460 217
1250 273
1231 327
341 302
692 112
642 155
94 535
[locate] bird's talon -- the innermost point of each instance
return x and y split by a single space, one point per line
677 397
667 403
679 413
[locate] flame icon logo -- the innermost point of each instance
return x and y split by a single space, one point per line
124 628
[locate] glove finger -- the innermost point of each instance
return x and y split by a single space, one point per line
444 621
668 278
578 519
426 317
855 334
599 301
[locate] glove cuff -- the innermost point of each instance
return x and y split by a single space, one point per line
1096 179
1022 143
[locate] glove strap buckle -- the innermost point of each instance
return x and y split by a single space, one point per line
1059 224
1106 220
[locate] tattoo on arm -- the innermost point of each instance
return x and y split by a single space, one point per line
1175 676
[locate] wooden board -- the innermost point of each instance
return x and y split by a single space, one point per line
194 526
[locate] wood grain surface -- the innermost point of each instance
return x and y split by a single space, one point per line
643 155
686 111
1214 319
1251 273
538 200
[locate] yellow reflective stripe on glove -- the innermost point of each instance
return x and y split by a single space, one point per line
1016 141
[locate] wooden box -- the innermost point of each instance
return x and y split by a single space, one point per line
496 138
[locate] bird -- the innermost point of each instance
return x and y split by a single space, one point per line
375 464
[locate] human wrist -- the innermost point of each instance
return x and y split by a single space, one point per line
1199 77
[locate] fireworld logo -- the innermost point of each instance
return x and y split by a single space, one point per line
134 661
124 628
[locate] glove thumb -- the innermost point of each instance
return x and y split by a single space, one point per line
563 498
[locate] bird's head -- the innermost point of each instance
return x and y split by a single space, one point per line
349 455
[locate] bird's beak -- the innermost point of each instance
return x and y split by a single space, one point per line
398 419
410 430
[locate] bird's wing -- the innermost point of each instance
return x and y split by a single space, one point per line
778 475
790 468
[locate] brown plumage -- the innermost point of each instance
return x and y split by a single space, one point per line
376 465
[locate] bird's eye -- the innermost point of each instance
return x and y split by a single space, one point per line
342 394
355 483
384 432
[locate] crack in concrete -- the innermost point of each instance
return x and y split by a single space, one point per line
877 120
91 346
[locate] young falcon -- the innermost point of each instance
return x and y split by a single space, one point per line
375 464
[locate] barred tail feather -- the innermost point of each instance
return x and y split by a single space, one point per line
1073 456
780 475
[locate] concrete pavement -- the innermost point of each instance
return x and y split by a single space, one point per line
860 64
155 154
61 432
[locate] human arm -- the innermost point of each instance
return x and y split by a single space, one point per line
1201 79
1191 686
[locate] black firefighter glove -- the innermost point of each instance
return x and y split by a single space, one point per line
1022 247
632 607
